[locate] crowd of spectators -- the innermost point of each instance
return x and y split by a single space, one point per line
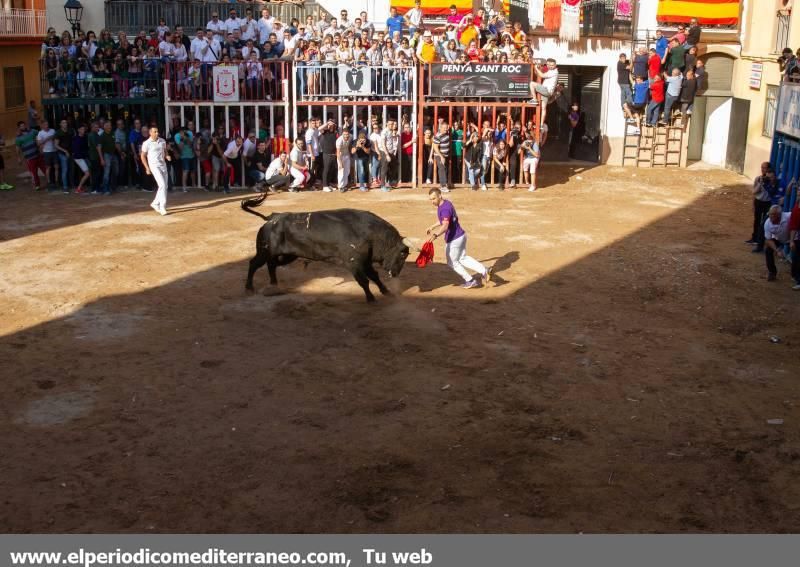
776 231
666 78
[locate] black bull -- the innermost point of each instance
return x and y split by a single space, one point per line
354 239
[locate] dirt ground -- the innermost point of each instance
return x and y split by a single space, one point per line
617 378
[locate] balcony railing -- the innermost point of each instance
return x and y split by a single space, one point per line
258 81
20 22
131 16
782 30
82 80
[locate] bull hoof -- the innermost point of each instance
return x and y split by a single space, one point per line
371 299
249 289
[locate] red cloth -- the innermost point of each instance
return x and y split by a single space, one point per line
425 255
794 220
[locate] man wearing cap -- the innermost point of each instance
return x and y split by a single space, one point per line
426 51
327 147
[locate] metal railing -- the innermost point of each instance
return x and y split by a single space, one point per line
81 79
258 81
782 30
131 16
22 22
333 82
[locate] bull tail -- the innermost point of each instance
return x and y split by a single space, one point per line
247 203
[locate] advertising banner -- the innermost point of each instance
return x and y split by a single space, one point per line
226 83
488 80
788 119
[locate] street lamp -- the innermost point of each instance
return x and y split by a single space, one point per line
73 10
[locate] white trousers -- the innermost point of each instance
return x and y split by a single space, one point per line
160 175
456 251
297 176
344 172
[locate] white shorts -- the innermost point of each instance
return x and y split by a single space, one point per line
82 164
529 165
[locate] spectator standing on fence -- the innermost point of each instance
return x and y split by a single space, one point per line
688 92
547 87
640 62
675 57
776 237
653 64
344 151
656 104
407 142
394 22
389 146
624 79
362 158
327 148
662 44
641 96
154 159
674 84
441 155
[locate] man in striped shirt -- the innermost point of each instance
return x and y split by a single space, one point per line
279 143
441 155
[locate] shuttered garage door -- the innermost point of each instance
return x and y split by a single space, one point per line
719 73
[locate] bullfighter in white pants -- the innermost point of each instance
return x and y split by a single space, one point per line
154 158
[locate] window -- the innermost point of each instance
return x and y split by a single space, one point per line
782 30
770 111
14 86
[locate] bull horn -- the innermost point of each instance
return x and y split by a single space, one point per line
408 243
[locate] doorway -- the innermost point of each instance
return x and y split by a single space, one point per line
584 85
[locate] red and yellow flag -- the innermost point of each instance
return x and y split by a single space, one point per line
434 7
707 12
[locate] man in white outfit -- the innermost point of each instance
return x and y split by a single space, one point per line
455 241
154 158
344 147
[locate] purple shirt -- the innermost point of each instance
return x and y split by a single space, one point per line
447 212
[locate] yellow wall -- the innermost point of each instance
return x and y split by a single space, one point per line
758 46
26 56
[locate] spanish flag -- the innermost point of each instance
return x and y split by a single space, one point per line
434 7
707 12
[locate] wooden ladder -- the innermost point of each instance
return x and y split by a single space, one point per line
630 145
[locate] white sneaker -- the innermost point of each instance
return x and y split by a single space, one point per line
444 190
327 189
532 188
484 188
162 211
427 182
512 185
154 207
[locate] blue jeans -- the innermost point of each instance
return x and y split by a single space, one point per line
63 161
670 101
653 112
484 169
376 166
474 172
110 166
362 170
625 94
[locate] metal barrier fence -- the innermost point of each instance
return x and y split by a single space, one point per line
258 81
131 16
82 79
331 81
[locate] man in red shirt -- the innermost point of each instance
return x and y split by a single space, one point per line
653 64
656 100
794 244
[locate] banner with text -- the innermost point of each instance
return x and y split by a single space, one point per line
788 118
488 80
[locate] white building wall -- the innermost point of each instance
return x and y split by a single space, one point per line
94 17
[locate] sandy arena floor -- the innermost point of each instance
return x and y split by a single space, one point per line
617 378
